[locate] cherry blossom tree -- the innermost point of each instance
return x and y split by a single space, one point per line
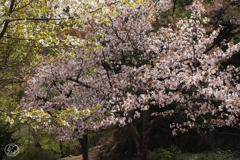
70 102
136 73
166 68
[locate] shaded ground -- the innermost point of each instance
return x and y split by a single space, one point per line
93 153
92 156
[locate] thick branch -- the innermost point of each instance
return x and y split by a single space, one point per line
220 38
7 21
16 9
42 98
4 82
174 6
38 19
154 120
219 15
135 133
81 83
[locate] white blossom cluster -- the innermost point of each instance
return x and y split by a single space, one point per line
138 70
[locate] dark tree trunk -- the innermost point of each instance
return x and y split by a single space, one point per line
141 141
212 140
174 6
61 149
94 140
209 139
145 135
35 138
84 144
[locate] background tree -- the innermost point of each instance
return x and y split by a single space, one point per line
6 136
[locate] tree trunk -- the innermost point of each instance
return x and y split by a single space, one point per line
61 149
145 136
141 141
210 140
35 138
84 144
143 151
